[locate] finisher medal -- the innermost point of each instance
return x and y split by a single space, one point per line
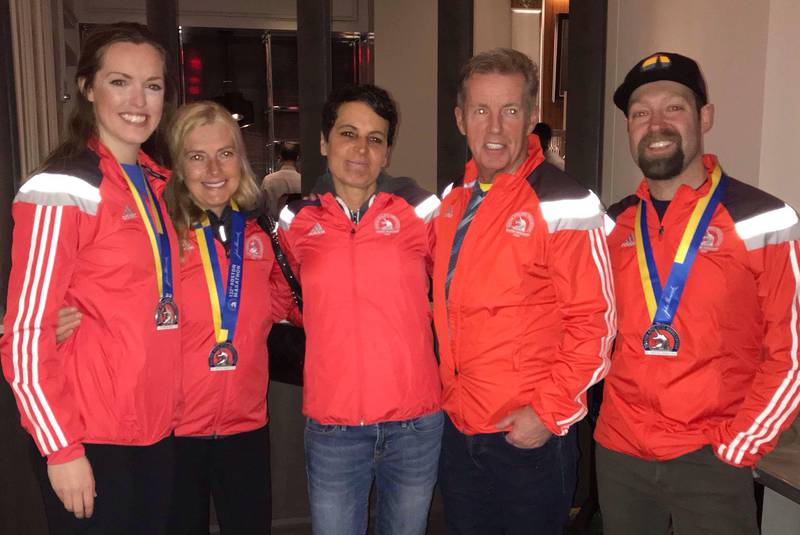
660 339
224 301
166 315
222 357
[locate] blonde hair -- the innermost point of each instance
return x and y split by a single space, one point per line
182 207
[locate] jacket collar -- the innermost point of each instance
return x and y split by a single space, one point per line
324 184
325 188
503 180
110 166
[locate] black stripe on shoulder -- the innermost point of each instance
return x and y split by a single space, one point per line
552 184
618 207
299 204
85 166
457 183
743 201
405 188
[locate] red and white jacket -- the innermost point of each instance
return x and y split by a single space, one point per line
735 383
79 240
369 344
530 315
218 403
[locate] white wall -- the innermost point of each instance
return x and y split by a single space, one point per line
405 65
728 38
780 132
526 34
491 25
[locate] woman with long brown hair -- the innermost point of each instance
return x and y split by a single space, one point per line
91 231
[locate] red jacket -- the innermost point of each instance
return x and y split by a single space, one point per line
369 345
79 240
530 314
735 383
234 401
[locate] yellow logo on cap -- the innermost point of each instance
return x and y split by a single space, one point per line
656 60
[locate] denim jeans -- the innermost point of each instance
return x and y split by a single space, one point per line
491 487
343 461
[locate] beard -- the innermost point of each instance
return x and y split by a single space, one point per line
664 167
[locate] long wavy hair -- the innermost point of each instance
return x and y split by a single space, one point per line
83 123
183 208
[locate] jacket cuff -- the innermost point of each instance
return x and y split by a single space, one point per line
747 460
720 438
65 455
548 419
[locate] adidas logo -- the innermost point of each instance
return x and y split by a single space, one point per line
628 242
128 214
316 230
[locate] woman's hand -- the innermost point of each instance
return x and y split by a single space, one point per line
73 483
68 320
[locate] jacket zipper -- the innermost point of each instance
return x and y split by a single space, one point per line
353 263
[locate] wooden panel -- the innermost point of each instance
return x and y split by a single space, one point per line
552 113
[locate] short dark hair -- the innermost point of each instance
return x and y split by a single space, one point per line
373 96
289 151
502 61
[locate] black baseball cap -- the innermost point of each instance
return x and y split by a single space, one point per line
662 66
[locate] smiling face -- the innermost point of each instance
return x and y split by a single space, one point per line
496 122
211 166
665 129
356 147
127 95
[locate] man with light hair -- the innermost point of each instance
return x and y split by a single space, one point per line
524 312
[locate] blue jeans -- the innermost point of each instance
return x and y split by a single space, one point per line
491 487
342 462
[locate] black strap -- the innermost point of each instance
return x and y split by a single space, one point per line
268 225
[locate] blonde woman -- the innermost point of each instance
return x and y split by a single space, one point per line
234 290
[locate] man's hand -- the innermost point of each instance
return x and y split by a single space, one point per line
73 483
527 430
68 320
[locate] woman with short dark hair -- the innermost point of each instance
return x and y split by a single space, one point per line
362 251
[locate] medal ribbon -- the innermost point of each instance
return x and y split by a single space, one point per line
159 240
662 302
224 306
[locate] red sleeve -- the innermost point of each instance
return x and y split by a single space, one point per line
282 301
771 404
294 315
44 250
577 258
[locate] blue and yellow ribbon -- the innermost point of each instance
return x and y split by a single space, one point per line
224 303
153 221
662 301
